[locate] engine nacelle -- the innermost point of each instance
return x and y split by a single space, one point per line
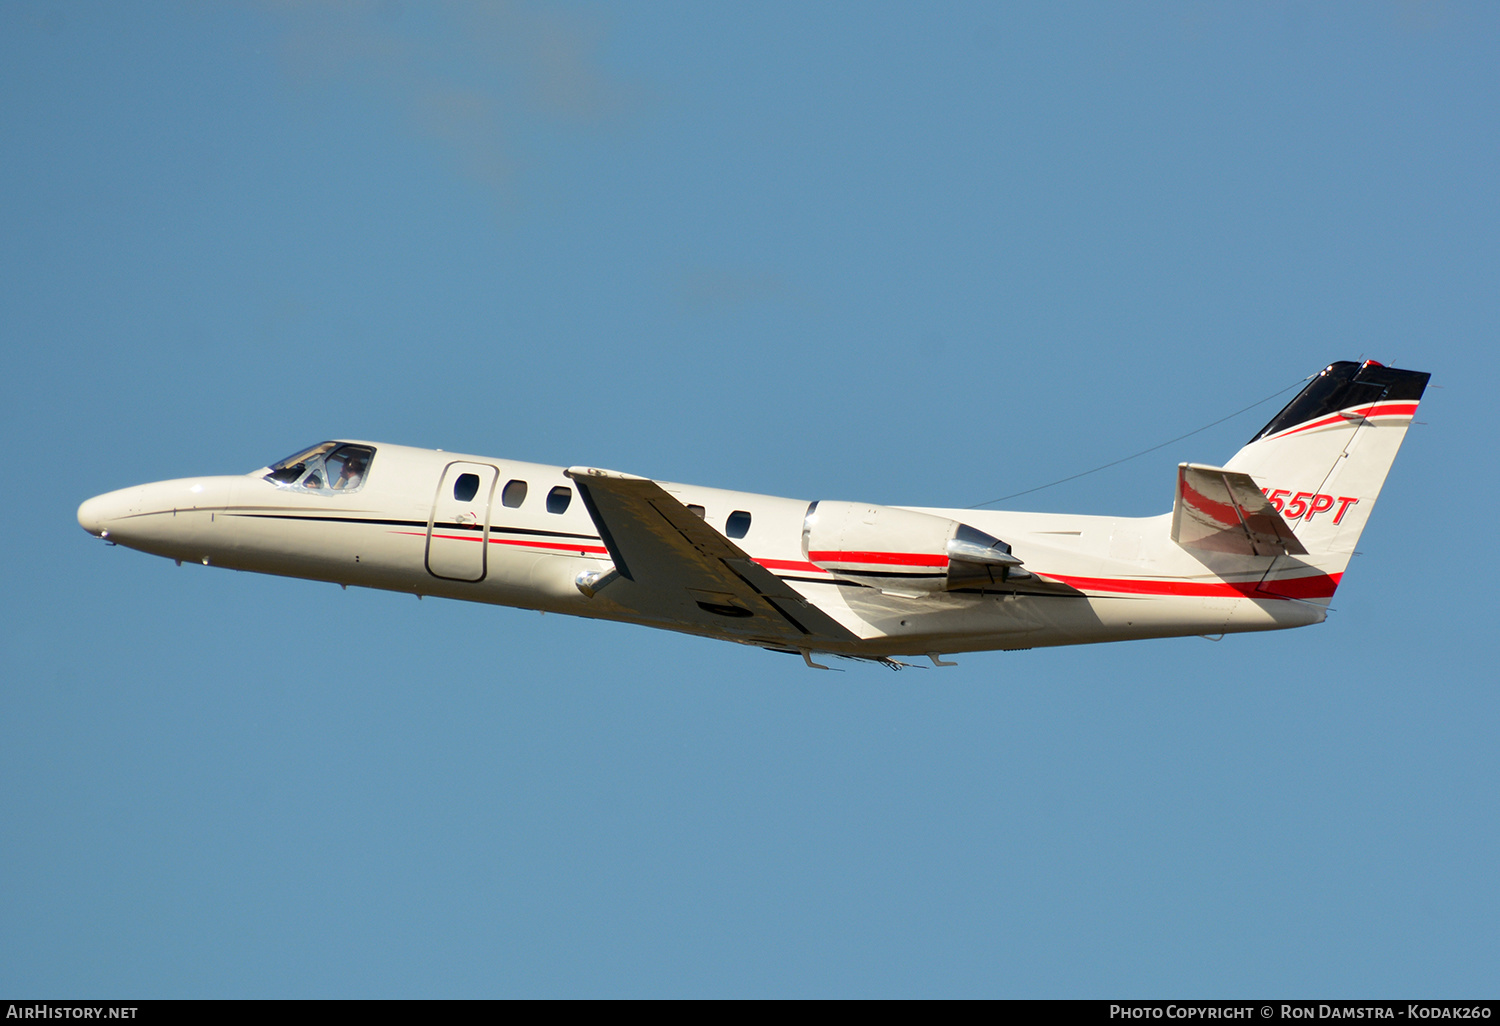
902 552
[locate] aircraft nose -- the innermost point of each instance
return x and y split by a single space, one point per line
97 514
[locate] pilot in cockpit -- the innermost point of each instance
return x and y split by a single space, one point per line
331 466
352 473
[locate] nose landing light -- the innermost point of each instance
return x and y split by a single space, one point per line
93 516
100 515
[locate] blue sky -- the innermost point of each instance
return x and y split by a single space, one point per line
911 254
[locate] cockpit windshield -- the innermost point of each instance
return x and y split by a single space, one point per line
329 466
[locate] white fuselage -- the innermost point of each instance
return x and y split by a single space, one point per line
1090 579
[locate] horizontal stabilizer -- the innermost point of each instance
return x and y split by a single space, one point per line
1223 511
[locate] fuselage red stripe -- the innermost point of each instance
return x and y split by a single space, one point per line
880 558
555 546
1316 586
551 546
790 564
1313 586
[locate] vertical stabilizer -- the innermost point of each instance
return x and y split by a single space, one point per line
1322 459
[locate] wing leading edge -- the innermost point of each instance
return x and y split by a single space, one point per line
672 567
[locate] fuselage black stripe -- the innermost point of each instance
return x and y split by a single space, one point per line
417 523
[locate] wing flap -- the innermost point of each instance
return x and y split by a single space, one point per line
673 567
1224 511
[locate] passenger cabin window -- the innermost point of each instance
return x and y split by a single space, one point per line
514 494
738 524
466 487
328 467
697 511
558 499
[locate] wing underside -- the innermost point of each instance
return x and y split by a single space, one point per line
673 569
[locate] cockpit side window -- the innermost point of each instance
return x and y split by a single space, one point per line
350 463
331 467
294 466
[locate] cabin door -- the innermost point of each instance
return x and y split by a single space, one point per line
458 531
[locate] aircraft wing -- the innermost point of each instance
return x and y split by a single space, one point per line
1224 511
674 568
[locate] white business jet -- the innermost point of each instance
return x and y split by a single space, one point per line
1257 544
